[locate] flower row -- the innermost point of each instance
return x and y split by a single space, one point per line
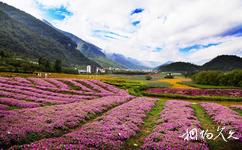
110 87
44 95
16 125
106 132
197 92
236 107
225 117
21 97
58 84
88 87
176 118
3 107
41 82
18 103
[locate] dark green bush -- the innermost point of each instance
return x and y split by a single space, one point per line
148 78
231 78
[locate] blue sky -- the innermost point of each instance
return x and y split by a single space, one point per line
197 47
137 11
234 31
57 13
148 30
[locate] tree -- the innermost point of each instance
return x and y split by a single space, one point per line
44 64
148 77
40 61
58 65
47 65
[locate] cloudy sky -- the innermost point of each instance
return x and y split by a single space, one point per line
148 30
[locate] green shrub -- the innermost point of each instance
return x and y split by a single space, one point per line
148 78
231 78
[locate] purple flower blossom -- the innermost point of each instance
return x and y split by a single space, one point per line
15 125
225 117
106 132
3 107
18 103
175 119
48 93
198 92
236 107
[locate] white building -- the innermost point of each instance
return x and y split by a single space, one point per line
94 69
81 71
89 69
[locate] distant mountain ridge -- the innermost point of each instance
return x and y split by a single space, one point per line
28 37
91 51
178 67
105 60
222 63
127 62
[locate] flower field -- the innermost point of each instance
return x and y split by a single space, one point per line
177 117
198 92
236 107
225 117
35 92
64 113
107 132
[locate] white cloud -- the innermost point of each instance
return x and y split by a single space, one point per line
169 24
28 6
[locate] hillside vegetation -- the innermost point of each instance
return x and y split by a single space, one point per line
179 67
224 63
231 78
220 63
28 37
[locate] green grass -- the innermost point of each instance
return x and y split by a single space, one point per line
238 111
135 87
149 124
13 107
207 98
200 86
71 85
158 84
208 124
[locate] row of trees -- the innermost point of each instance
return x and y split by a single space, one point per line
45 65
231 78
10 63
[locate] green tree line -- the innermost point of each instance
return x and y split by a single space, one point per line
231 78
9 62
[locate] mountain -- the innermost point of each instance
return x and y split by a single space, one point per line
28 37
151 64
126 62
91 51
164 64
167 63
224 63
106 60
178 67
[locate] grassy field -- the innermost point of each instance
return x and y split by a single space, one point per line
176 82
194 85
